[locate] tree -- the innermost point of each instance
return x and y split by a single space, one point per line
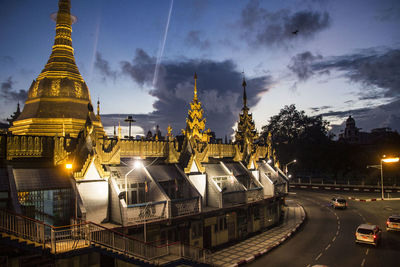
291 125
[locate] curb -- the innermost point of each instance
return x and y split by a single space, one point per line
283 239
365 200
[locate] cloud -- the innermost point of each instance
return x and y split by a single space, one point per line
8 93
318 109
141 68
385 115
301 65
104 67
262 27
219 89
193 39
377 71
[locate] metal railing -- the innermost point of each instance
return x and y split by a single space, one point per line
67 238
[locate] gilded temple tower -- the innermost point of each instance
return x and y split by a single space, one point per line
246 132
59 98
195 123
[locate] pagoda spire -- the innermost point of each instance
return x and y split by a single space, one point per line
195 123
195 86
62 61
59 97
244 84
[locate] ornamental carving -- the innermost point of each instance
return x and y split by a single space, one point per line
34 92
78 89
55 88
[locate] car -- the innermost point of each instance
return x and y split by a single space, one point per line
368 234
339 203
393 223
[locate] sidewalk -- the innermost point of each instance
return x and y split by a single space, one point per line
249 249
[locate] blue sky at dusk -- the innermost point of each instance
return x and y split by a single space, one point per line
139 57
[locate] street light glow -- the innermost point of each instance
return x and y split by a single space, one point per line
68 166
138 164
389 160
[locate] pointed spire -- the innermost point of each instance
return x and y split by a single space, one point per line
18 109
244 84
62 62
119 130
98 107
115 131
195 86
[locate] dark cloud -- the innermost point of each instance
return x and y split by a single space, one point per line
219 89
377 71
318 109
141 69
301 65
104 67
193 39
262 27
8 93
385 115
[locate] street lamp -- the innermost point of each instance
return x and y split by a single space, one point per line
136 165
286 166
130 120
385 160
69 166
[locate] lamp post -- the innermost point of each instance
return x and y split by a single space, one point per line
136 165
383 160
286 166
130 120
69 166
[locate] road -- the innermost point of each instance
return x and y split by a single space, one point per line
327 236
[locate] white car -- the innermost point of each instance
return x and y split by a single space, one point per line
369 234
393 223
339 203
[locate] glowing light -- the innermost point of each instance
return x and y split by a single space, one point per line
138 164
389 160
68 166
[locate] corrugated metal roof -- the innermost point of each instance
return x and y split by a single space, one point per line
163 173
40 179
215 170
137 175
236 168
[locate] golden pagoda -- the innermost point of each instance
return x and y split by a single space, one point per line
246 133
195 123
58 100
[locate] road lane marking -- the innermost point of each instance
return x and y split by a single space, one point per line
328 247
366 252
333 240
363 262
319 256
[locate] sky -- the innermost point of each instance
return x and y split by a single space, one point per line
331 58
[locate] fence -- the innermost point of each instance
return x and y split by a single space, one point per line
67 238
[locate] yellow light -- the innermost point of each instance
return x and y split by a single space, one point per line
68 166
388 160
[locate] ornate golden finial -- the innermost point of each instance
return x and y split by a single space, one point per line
195 86
119 130
169 132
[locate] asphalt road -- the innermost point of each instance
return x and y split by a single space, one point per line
327 236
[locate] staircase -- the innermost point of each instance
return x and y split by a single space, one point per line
27 233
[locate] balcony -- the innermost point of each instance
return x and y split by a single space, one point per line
145 212
181 207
